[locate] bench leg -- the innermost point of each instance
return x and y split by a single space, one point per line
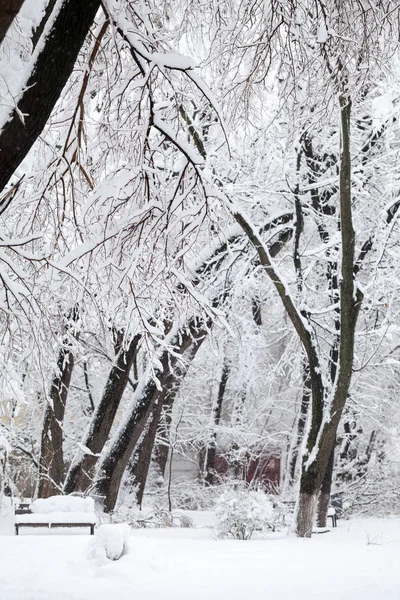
92 530
334 520
16 528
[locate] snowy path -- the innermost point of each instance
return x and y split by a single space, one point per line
189 564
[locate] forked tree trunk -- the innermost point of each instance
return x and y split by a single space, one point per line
51 466
81 471
322 435
139 464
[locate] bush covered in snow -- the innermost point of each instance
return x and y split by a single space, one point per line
192 495
241 512
155 517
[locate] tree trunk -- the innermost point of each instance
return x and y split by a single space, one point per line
163 448
81 471
325 492
50 73
305 513
301 424
8 10
51 468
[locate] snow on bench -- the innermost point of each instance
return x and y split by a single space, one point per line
58 511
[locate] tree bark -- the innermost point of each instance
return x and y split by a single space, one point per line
50 73
301 424
81 471
51 467
8 10
325 492
162 448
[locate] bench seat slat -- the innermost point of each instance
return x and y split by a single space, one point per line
54 525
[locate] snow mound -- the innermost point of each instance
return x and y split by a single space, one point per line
64 504
110 542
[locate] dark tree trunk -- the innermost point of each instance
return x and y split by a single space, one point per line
209 466
325 492
113 465
8 10
50 73
51 467
39 30
139 463
80 474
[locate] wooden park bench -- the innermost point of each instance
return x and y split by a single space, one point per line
56 512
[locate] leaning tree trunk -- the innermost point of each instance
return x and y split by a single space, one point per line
51 466
115 461
81 471
139 464
50 73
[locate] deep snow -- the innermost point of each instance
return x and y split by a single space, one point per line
359 561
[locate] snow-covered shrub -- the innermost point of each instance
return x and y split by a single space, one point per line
162 518
185 521
110 542
155 517
123 514
241 512
193 495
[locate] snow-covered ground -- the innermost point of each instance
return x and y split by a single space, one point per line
360 560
